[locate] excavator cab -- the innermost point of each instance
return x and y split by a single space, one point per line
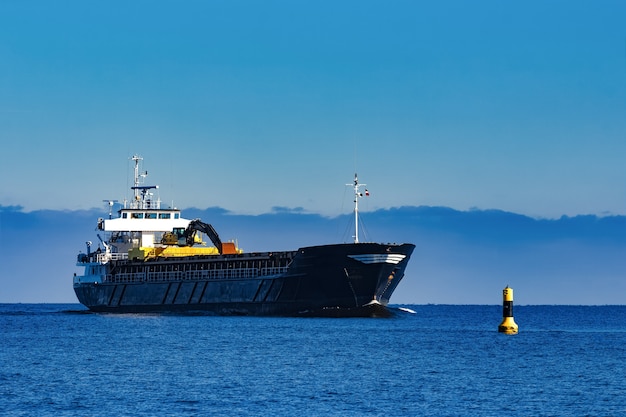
175 237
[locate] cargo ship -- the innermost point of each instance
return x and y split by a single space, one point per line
152 260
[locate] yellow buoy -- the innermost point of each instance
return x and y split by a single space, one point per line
508 325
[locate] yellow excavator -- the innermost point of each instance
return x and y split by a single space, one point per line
189 236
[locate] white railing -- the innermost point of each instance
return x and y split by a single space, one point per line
209 274
105 257
101 258
277 270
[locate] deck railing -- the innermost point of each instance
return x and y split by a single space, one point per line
101 257
200 275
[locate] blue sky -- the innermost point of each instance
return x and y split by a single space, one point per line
249 105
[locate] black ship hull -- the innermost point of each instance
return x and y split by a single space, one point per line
330 280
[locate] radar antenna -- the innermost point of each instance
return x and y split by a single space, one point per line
110 203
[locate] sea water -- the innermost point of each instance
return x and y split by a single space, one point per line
59 360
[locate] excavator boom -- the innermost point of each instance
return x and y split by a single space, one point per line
199 226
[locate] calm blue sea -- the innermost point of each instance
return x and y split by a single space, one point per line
58 360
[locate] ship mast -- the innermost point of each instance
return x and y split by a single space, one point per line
135 188
357 195
136 159
142 198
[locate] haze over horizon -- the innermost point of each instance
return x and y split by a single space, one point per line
461 257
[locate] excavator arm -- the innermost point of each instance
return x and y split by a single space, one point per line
199 226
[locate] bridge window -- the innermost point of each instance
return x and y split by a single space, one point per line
164 215
151 216
137 215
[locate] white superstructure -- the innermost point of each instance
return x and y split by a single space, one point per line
141 222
